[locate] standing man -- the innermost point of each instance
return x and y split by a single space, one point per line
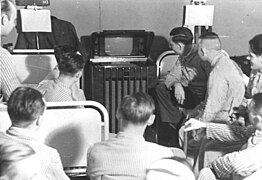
8 78
184 86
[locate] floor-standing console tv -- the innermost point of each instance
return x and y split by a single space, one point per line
118 66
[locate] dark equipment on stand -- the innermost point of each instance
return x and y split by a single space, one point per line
119 65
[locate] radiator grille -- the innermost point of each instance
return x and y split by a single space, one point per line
119 82
109 84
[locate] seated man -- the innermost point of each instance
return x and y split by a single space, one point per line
64 87
243 162
225 88
18 161
184 86
25 108
127 155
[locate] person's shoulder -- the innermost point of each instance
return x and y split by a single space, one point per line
155 146
4 138
4 51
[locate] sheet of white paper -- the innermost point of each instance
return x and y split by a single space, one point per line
36 20
199 15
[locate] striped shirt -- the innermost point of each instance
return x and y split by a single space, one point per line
8 78
243 162
51 165
55 90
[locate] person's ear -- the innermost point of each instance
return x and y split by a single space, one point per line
151 120
39 120
4 19
203 51
258 119
181 46
78 74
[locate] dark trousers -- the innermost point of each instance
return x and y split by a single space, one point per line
169 116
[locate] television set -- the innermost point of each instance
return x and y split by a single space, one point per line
117 45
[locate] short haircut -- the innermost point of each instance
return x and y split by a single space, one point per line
6 7
257 103
209 35
182 35
136 108
25 105
12 152
70 63
60 50
215 40
256 45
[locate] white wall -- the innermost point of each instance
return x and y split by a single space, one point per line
236 21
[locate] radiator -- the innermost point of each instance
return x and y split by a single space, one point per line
109 84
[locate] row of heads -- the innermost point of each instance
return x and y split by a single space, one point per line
185 36
26 105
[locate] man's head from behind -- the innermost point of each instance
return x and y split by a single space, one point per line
25 107
136 109
209 44
18 162
8 17
180 37
71 64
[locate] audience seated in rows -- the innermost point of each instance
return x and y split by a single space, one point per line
184 86
173 168
243 162
8 78
25 108
66 86
18 161
127 155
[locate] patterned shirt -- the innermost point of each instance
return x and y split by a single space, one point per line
51 166
8 78
225 89
55 90
124 157
243 162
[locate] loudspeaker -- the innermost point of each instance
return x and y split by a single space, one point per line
108 84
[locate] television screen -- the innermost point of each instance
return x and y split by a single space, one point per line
118 46
121 43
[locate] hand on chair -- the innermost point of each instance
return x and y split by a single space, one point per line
194 124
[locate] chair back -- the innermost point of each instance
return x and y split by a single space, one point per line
165 62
